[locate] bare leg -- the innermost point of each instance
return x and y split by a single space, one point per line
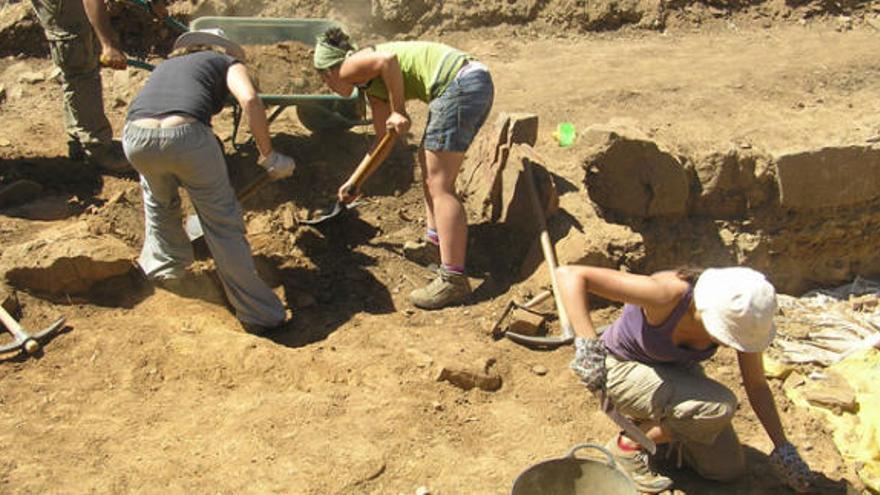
449 219
429 205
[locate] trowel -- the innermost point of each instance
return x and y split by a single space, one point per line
366 168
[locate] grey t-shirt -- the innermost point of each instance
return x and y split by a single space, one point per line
192 84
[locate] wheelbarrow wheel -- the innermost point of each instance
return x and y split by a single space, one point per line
331 116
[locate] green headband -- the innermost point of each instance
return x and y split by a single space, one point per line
327 55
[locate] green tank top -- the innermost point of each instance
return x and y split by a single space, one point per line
427 67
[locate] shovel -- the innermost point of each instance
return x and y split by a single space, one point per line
366 168
193 226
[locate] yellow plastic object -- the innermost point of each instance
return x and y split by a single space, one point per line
857 436
776 369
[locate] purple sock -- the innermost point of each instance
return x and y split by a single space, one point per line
456 269
432 237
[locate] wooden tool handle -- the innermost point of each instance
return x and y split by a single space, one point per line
547 248
10 324
372 161
253 186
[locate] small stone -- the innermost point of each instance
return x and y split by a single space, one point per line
287 217
56 74
525 322
5 143
833 393
423 490
467 379
539 370
436 406
31 77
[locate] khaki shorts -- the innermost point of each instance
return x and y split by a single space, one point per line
696 409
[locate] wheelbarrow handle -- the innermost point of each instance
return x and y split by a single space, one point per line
139 64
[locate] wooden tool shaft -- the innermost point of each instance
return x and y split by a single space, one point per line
372 161
12 325
252 187
546 246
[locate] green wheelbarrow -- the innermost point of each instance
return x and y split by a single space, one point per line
317 112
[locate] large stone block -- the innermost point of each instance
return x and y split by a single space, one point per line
628 174
493 182
515 207
730 183
67 260
828 177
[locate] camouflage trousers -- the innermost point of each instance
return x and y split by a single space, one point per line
76 52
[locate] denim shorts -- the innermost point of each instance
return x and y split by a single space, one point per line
455 117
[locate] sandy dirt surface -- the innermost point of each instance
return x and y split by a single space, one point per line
151 391
284 69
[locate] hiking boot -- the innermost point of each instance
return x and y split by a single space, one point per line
109 157
637 467
445 290
422 252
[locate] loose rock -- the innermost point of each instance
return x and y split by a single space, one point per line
629 174
468 378
67 260
834 393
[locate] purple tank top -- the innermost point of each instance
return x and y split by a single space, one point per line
632 338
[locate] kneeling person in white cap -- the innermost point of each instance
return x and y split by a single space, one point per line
169 141
648 364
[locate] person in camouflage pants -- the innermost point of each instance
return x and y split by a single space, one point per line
81 40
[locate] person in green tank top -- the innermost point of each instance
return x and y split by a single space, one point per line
459 93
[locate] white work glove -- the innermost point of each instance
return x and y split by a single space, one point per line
279 166
788 465
589 362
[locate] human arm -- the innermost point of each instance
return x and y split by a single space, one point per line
244 92
366 65
111 55
656 294
785 459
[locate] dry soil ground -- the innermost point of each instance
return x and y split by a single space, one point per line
152 391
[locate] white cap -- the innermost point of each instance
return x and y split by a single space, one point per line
736 306
214 37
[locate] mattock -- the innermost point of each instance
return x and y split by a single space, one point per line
22 339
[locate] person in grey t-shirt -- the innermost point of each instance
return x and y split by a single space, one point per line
169 141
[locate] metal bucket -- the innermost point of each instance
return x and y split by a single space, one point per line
572 475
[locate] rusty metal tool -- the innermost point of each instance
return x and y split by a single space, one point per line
497 332
24 340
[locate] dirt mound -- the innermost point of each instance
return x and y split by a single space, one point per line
284 68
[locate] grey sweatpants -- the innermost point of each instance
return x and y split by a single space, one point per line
189 156
75 51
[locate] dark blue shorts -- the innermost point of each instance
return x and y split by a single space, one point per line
455 117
